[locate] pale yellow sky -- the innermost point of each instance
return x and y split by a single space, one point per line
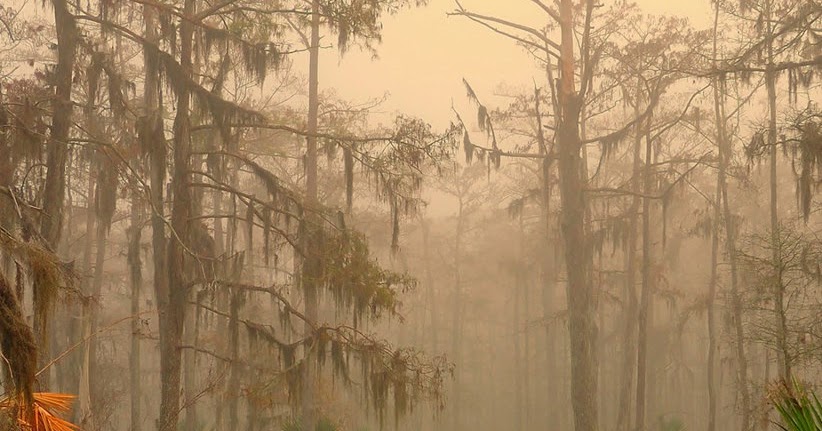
425 55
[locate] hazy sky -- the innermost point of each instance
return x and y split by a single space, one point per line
425 54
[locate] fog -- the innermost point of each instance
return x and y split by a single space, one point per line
361 215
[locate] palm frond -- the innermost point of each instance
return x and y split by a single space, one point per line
800 409
42 415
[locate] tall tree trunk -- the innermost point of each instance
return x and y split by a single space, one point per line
154 142
191 325
736 298
602 369
224 296
236 303
582 327
135 267
725 151
79 381
224 245
172 306
519 374
549 276
309 407
91 311
526 344
783 357
645 299
57 150
456 316
713 395
430 287
52 221
105 192
520 326
548 260
191 334
629 330
234 351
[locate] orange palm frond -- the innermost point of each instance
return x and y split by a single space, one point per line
42 416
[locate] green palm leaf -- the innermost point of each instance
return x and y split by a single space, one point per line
799 409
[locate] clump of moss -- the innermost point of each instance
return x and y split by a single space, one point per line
45 270
355 279
17 345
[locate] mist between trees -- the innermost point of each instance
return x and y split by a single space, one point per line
196 236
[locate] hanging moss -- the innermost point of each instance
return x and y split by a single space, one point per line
348 160
395 227
293 372
25 122
17 344
266 234
249 223
355 279
756 148
359 21
338 360
467 147
320 343
150 134
259 333
810 157
177 78
44 269
611 144
482 118
105 197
